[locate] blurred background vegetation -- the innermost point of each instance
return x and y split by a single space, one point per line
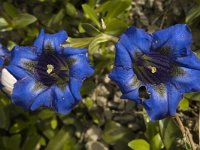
101 121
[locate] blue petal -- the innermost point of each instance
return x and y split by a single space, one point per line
44 99
80 67
191 61
74 51
75 86
133 95
53 40
177 37
122 57
125 79
63 100
188 81
40 41
3 51
24 92
135 40
17 72
1 63
162 102
21 54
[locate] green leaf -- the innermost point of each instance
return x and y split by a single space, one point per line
113 132
23 20
64 138
32 139
115 27
184 104
78 42
139 144
91 14
194 96
10 9
101 38
193 15
90 29
54 123
156 142
10 143
88 102
3 23
4 117
71 9
57 18
119 7
170 133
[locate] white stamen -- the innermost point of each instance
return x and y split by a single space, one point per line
8 81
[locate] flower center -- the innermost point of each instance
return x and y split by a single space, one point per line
152 68
52 69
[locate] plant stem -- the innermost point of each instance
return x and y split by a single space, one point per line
186 133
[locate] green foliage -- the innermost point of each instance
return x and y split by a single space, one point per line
139 144
95 25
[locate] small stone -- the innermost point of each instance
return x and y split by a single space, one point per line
108 114
93 134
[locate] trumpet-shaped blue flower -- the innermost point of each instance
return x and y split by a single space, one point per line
46 74
155 70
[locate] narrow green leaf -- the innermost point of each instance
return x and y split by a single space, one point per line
23 20
78 42
89 29
170 133
156 142
194 96
139 144
119 7
115 27
64 138
3 23
57 18
91 14
10 9
193 15
71 9
113 132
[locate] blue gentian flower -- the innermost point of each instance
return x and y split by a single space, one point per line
46 74
4 54
155 70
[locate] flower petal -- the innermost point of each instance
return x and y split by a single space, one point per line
125 79
17 72
187 81
135 40
53 41
44 99
63 100
74 51
3 51
75 86
25 91
21 54
122 57
163 101
177 38
79 66
191 61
